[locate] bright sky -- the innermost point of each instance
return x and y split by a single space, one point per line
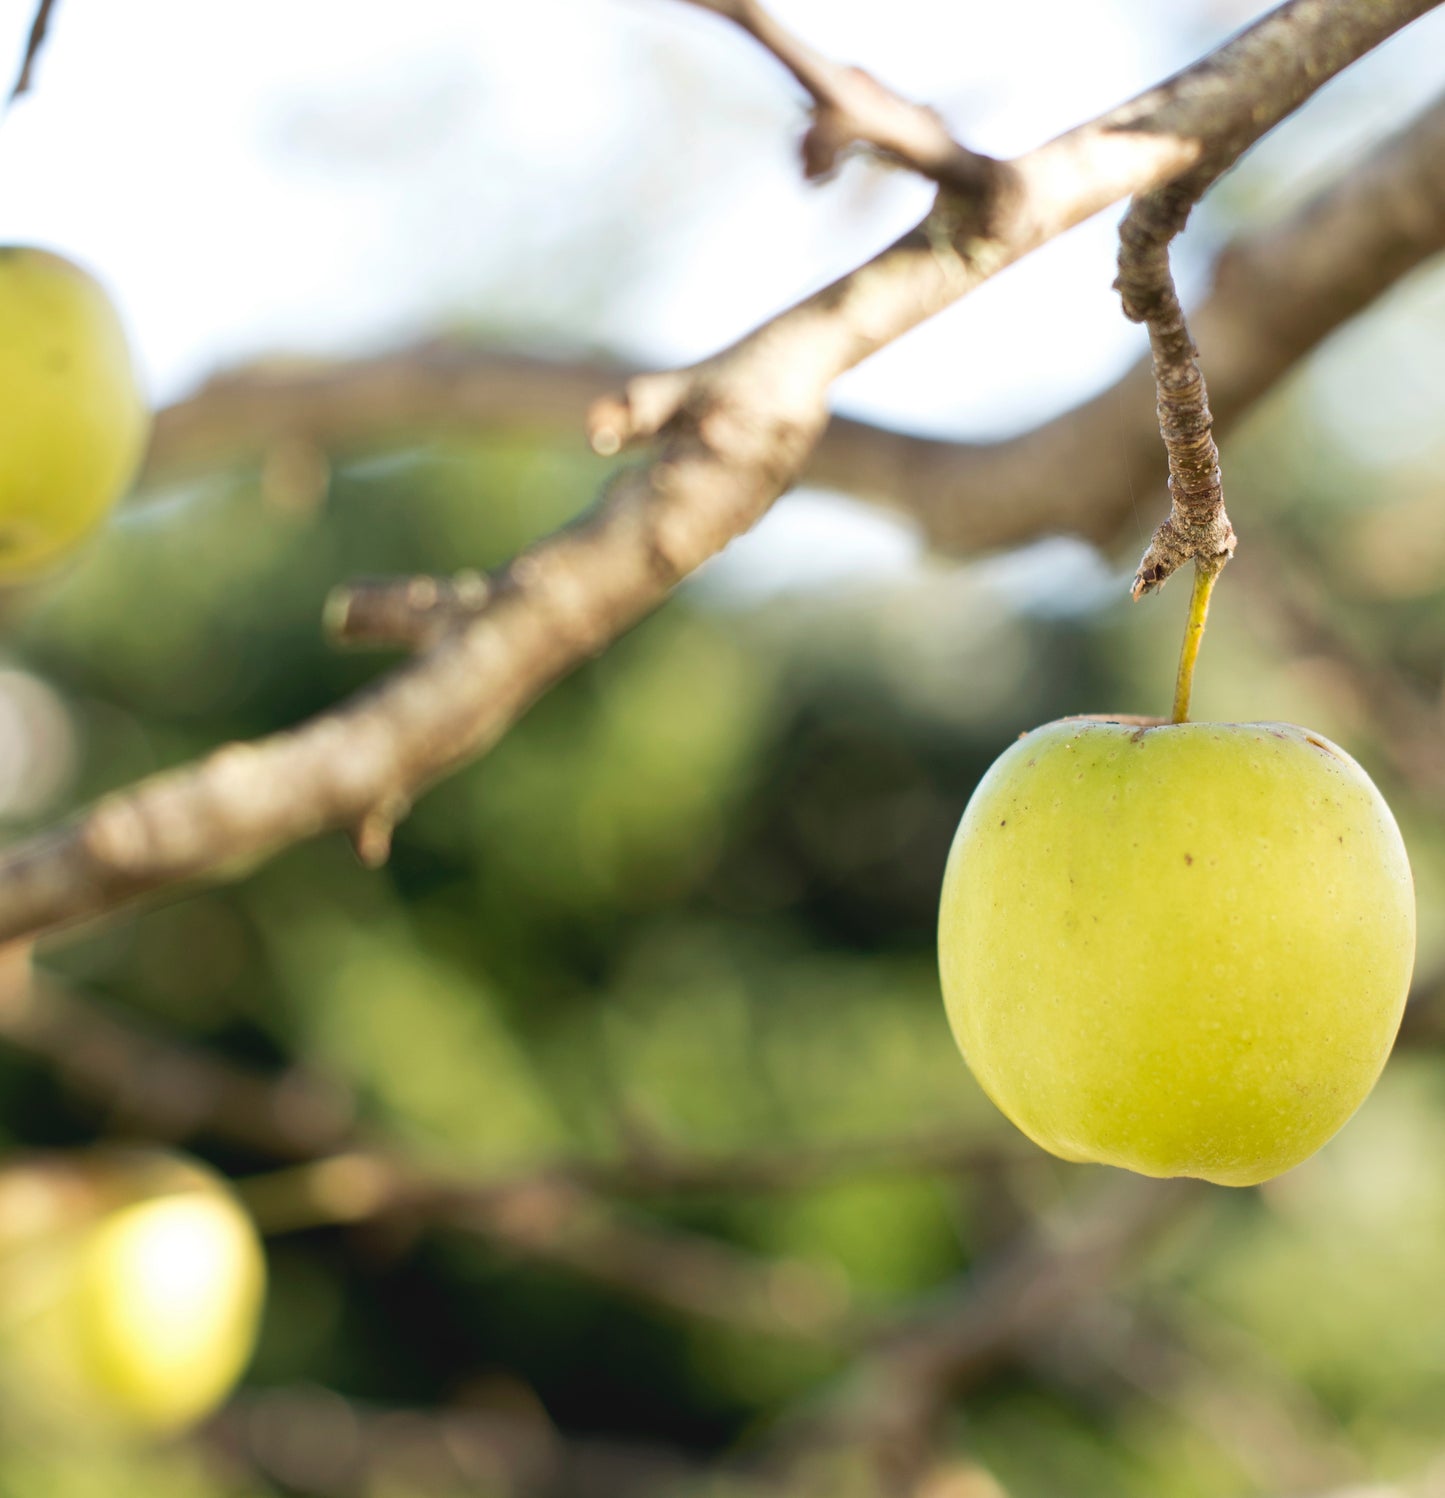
288 175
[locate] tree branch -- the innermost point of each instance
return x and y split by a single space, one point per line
1203 117
315 1443
851 107
956 1338
435 385
737 431
174 1091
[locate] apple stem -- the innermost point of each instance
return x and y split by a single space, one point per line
1205 573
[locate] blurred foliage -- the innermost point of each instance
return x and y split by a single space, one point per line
689 902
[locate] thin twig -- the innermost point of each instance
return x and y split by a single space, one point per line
1198 528
851 107
33 47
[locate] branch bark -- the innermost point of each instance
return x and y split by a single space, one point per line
1198 528
736 432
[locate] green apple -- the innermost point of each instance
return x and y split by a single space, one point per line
73 423
1183 949
131 1285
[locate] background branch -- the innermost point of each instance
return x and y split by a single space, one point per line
316 1442
547 1219
1277 294
150 1082
170 1091
1208 1374
553 1215
889 1403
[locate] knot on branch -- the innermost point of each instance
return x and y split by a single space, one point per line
408 613
642 409
371 836
859 112
1207 542
851 108
752 412
841 120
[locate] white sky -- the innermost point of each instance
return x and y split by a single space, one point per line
332 175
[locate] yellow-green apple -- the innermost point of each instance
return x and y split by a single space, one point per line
73 422
131 1285
1183 949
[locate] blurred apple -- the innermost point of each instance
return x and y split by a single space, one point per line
73 423
131 1285
1181 949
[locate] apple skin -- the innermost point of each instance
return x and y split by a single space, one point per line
1184 949
131 1288
73 422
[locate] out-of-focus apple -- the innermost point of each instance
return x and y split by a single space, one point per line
73 422
131 1286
